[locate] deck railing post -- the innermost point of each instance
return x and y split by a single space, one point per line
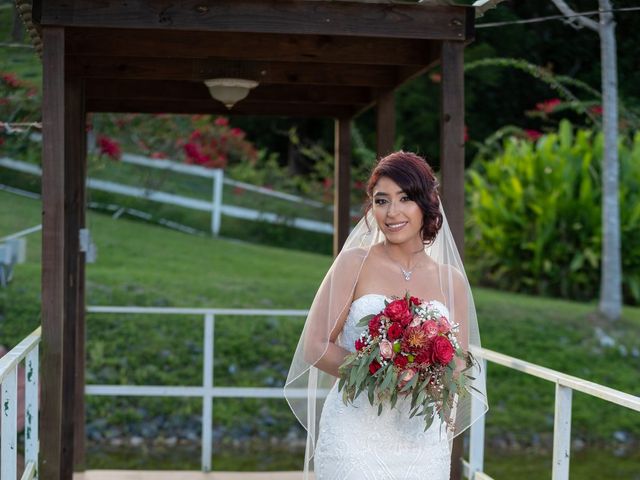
8 435
562 433
31 445
207 396
218 182
476 435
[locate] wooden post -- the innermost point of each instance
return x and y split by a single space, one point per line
342 183
385 124
452 169
77 176
62 191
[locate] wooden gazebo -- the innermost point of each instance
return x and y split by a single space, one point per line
311 58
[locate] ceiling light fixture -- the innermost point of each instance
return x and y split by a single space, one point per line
229 90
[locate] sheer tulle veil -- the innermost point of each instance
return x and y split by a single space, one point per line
307 386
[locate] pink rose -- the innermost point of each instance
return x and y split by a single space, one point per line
386 349
443 325
405 377
430 327
441 350
415 322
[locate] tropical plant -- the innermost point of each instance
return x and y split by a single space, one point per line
534 221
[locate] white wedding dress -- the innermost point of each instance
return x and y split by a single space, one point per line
354 443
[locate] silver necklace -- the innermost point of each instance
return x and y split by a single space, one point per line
405 273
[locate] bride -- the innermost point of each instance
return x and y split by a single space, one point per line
403 244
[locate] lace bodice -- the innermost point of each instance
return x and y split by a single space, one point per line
369 303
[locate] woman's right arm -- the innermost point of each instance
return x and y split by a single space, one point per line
331 355
329 311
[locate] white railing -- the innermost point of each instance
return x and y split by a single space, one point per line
215 206
207 391
26 350
565 385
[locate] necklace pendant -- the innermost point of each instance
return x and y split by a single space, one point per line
407 274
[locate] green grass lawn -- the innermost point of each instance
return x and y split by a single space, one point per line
142 265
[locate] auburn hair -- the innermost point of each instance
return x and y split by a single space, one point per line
415 176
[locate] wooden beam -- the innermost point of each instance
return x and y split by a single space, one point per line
345 18
263 47
244 107
452 169
170 90
264 72
452 138
385 124
77 173
342 183
53 264
63 122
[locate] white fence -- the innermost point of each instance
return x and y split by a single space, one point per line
207 391
13 250
473 469
565 385
27 351
215 206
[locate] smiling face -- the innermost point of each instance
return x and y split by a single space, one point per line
398 217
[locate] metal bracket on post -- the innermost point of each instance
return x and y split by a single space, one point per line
87 246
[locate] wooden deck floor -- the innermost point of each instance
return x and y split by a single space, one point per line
183 475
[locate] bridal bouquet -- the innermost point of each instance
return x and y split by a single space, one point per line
408 349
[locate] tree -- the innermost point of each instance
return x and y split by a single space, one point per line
610 304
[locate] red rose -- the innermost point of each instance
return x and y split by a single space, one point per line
360 344
400 361
394 332
414 300
398 311
374 326
441 350
424 356
374 367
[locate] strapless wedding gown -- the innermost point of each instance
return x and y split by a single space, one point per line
354 443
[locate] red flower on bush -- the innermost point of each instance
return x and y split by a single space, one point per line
221 121
596 110
11 80
548 106
441 350
237 132
194 155
533 134
109 147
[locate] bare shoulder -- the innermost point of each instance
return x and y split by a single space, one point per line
453 275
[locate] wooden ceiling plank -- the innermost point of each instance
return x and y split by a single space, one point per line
344 18
264 72
256 47
244 107
184 90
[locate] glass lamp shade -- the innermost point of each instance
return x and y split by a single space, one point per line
229 90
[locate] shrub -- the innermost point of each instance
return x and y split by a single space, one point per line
534 216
